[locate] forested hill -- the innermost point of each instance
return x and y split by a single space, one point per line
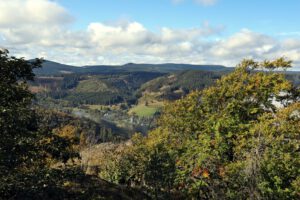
175 85
54 68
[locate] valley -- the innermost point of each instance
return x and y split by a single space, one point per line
126 99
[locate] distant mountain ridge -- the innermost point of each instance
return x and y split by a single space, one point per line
54 68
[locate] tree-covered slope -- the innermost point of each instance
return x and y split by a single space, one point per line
93 89
175 85
54 68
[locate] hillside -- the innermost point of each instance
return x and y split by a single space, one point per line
143 93
153 94
54 68
175 85
51 68
93 89
170 67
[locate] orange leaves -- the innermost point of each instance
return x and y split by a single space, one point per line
68 131
205 173
198 171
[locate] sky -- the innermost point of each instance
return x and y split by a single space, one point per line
89 32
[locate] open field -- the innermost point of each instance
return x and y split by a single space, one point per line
143 111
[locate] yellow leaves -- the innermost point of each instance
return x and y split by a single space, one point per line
47 140
281 62
67 184
198 171
70 184
290 112
247 64
190 108
205 173
68 131
278 63
137 139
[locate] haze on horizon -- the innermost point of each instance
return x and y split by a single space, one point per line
159 31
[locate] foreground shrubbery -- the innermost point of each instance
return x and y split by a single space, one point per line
228 141
36 162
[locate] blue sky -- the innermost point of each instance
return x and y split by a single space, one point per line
266 16
151 31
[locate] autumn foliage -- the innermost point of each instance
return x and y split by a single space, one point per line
238 139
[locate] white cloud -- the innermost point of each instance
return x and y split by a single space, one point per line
291 43
20 12
30 21
244 43
129 34
46 33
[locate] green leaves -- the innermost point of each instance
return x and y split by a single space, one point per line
27 147
266 64
230 140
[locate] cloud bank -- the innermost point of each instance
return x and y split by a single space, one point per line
41 28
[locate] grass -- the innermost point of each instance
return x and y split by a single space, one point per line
103 107
144 111
147 105
98 107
